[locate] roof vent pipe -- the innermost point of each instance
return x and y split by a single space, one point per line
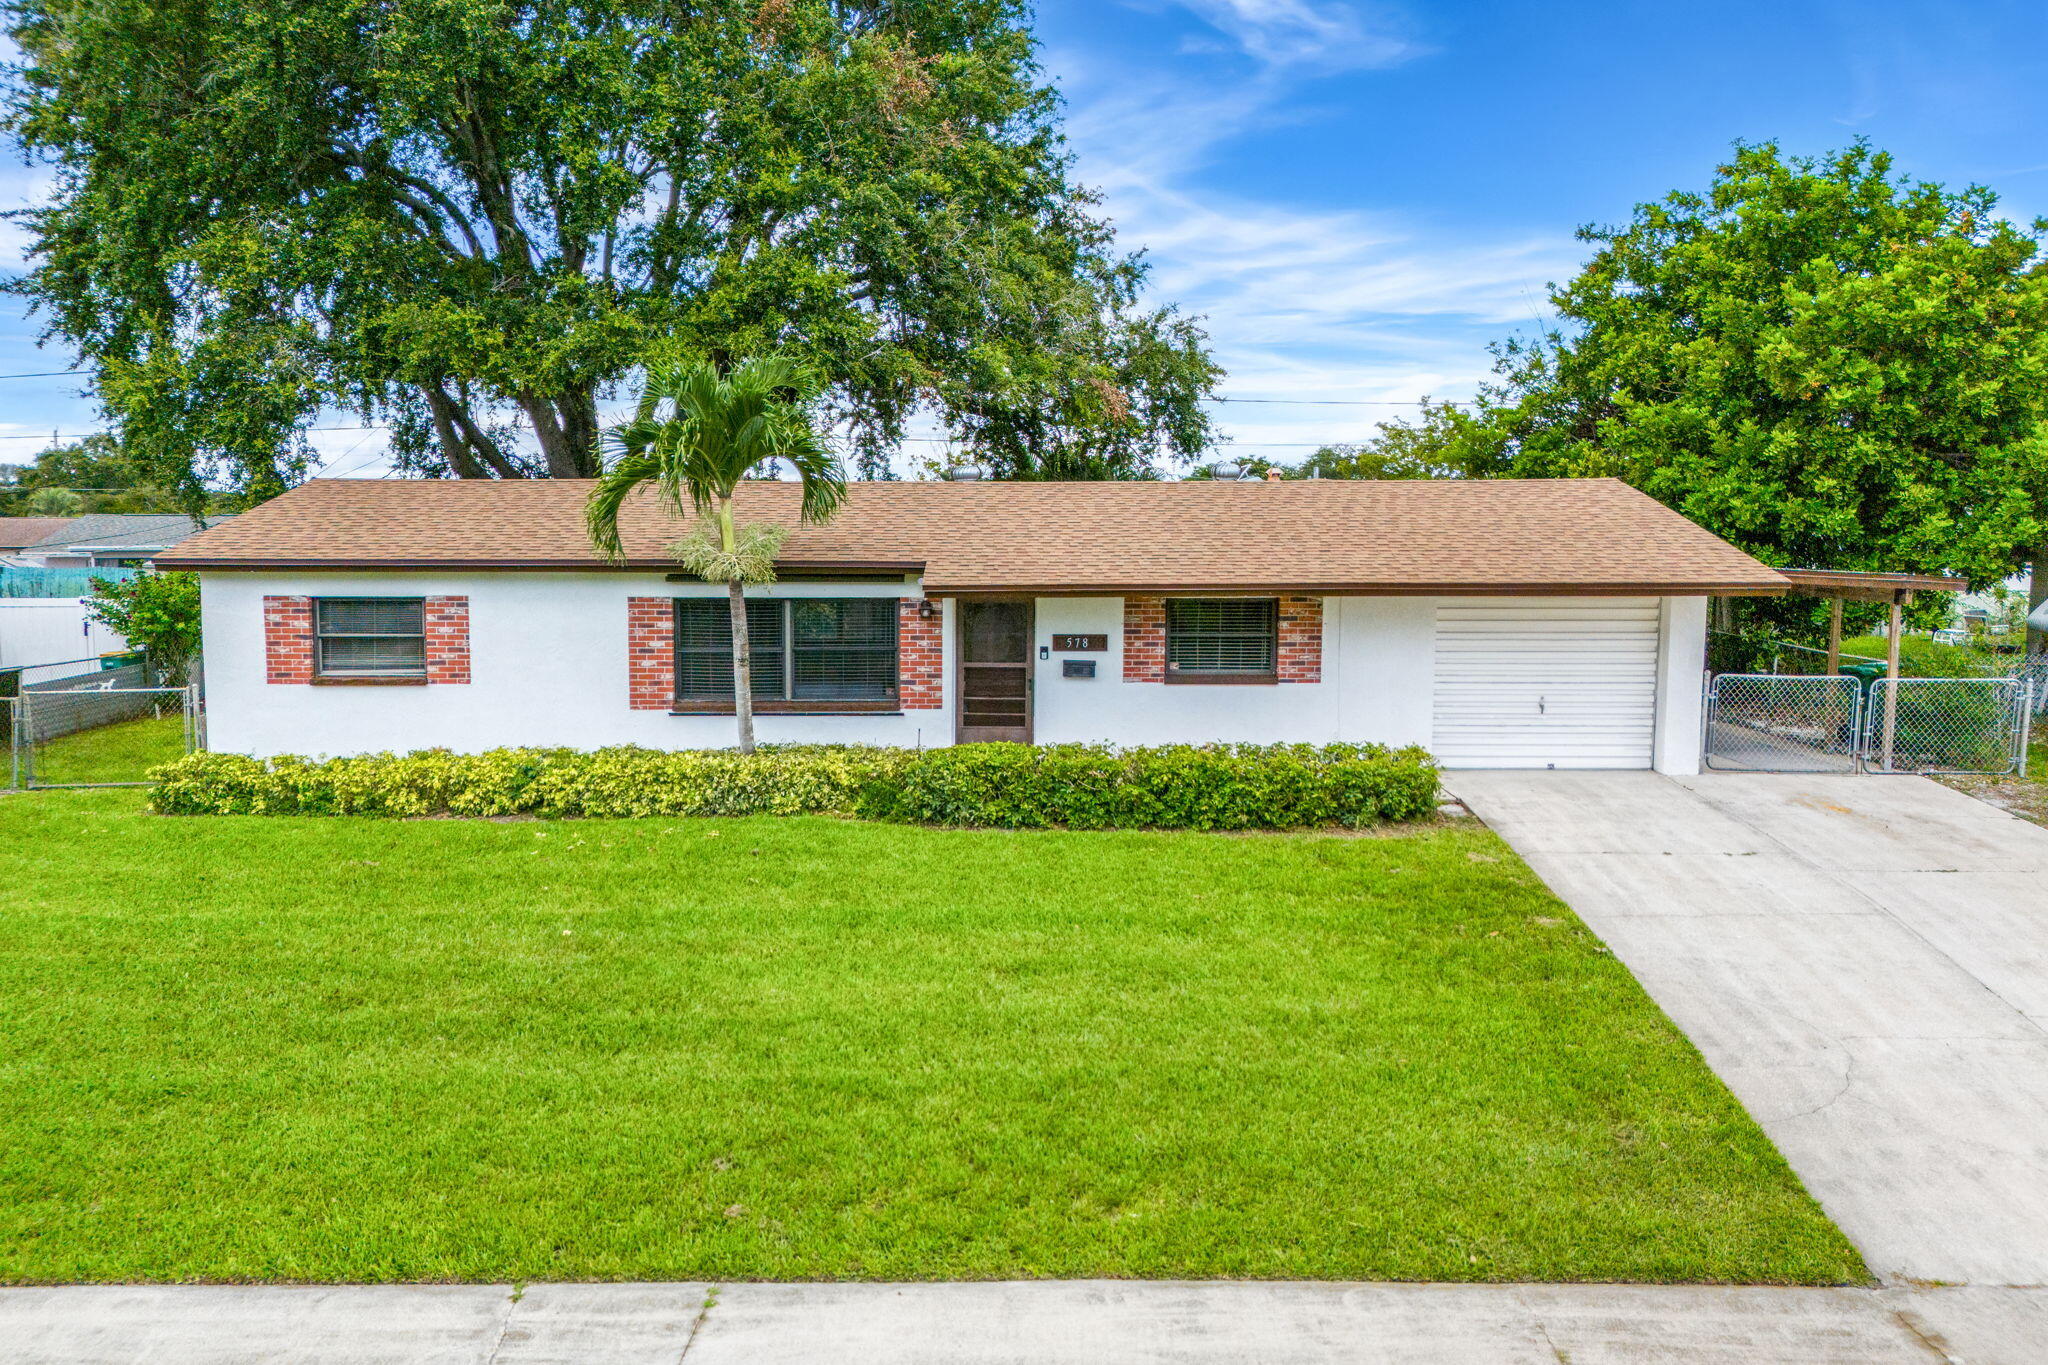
1228 469
1273 476
966 473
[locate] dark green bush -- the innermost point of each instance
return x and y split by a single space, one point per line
1012 786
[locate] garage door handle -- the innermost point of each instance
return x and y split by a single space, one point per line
1541 708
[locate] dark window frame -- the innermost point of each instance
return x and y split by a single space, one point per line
1177 631
321 635
786 652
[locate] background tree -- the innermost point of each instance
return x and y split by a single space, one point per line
1823 364
93 474
159 615
462 218
696 435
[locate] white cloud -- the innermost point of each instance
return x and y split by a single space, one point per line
1351 305
1326 34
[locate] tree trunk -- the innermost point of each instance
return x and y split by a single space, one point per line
742 665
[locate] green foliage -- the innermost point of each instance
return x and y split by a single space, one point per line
158 613
1179 786
698 431
93 474
1220 787
441 215
1443 443
1823 364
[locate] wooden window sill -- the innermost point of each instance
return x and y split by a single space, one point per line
319 681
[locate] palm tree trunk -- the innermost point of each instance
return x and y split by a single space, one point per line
742 651
742 666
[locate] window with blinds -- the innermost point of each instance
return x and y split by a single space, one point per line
803 649
1225 640
370 637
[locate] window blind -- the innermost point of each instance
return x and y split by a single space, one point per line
1227 635
370 635
804 649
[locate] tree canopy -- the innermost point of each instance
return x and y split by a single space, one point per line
91 474
466 216
1826 365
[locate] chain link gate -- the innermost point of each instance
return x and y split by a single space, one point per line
98 736
1947 725
1783 723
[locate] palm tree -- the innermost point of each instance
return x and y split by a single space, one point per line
698 432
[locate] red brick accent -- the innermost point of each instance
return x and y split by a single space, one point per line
447 640
1144 639
1301 639
650 653
288 639
920 656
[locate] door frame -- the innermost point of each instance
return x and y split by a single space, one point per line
961 605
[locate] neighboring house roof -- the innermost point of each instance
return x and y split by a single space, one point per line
1420 537
139 531
18 533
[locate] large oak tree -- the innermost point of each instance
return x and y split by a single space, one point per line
466 216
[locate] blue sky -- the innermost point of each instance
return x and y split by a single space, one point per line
1360 196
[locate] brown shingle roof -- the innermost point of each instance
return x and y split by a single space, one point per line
1492 536
18 533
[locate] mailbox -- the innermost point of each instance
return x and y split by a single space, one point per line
1077 668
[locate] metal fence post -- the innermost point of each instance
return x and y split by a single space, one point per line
25 740
13 745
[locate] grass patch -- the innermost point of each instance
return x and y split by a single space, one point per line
341 1049
123 752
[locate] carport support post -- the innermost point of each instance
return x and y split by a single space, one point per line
1834 636
1894 629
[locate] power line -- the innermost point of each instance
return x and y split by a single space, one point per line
39 374
1350 402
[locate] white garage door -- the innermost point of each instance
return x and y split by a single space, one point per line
1557 682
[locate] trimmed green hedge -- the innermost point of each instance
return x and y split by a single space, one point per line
1014 786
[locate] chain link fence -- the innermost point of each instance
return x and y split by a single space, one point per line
97 736
1778 723
1947 725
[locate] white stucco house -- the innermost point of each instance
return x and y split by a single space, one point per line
1553 623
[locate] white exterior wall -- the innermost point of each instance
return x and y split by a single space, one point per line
1681 686
1378 665
547 667
548 663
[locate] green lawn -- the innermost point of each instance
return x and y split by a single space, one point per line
112 753
332 1049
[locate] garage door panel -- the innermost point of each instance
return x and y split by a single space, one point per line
1552 682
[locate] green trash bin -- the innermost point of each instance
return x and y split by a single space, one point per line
1863 673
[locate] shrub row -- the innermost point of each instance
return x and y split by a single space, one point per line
1018 786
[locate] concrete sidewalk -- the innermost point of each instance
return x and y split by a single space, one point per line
1864 961
1036 1323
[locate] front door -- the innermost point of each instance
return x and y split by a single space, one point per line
995 671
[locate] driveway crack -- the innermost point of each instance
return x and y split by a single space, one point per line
703 1313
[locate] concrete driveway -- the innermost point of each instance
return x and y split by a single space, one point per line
1863 959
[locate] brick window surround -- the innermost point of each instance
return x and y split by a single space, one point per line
1145 639
651 655
1300 639
288 646
920 655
